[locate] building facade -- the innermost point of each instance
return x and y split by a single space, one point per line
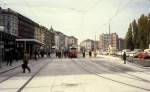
22 34
73 41
64 42
8 34
87 45
107 40
121 44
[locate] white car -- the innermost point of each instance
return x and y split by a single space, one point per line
119 53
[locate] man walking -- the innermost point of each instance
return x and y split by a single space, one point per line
9 57
124 57
25 62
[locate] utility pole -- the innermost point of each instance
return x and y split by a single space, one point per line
95 47
109 37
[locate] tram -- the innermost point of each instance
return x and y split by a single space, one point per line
72 52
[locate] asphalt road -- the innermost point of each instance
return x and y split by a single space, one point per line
77 75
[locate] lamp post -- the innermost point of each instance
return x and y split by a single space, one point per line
109 37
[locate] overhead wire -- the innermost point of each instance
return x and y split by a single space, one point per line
3 4
84 12
118 11
31 10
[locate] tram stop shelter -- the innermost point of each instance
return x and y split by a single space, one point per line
29 45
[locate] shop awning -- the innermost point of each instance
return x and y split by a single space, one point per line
30 40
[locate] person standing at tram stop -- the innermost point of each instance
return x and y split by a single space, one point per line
25 62
35 54
124 57
90 53
83 53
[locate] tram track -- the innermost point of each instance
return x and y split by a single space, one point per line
30 79
135 77
16 73
107 78
13 68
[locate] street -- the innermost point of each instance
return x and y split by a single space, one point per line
77 75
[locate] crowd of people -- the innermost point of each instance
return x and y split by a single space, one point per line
11 55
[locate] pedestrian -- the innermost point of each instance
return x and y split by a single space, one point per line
124 57
56 54
59 54
49 53
38 53
16 55
83 53
25 62
90 53
35 54
9 57
42 53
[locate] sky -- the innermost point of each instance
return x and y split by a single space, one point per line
82 18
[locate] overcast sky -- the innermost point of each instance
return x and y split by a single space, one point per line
82 18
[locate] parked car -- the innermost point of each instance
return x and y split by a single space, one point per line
104 53
135 52
119 53
142 55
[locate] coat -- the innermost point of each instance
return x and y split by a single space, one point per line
124 56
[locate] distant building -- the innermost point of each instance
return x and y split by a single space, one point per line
114 40
59 40
66 42
63 42
87 45
96 45
73 41
106 40
121 44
